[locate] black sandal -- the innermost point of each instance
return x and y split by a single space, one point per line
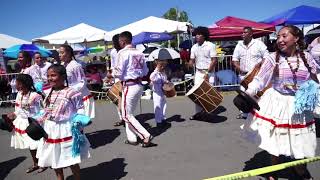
41 169
149 143
131 143
118 123
32 168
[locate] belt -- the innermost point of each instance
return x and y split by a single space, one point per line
87 97
202 70
133 81
56 141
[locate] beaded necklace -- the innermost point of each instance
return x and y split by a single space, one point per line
294 71
27 105
50 105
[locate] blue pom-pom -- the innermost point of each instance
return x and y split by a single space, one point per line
38 86
38 115
81 118
78 139
78 122
306 97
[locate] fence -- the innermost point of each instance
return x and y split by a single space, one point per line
8 90
225 79
225 75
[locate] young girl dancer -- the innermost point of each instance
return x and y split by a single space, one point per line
28 103
60 105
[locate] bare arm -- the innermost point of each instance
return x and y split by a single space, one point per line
236 65
212 64
191 62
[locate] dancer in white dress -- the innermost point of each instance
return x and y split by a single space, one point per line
276 128
25 61
60 105
28 103
76 78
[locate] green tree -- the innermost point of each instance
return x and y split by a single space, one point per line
176 15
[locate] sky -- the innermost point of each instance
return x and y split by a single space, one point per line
28 19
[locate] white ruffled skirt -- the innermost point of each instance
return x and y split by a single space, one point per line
89 106
276 129
56 151
19 138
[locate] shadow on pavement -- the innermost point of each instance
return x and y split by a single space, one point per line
213 117
103 137
7 166
155 131
262 159
144 117
111 170
176 118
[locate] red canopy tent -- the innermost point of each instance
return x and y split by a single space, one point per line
231 28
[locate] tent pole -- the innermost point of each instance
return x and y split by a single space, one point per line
178 40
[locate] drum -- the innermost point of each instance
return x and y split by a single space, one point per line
205 95
169 90
249 77
114 93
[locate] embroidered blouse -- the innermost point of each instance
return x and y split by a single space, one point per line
62 104
27 105
284 82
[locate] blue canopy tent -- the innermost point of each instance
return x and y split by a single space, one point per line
148 37
298 15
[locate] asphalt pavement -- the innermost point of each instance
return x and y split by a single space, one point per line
187 150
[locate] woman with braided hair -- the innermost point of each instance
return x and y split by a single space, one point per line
76 78
276 127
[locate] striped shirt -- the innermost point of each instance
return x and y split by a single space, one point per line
249 55
27 105
283 83
32 71
76 77
63 104
42 71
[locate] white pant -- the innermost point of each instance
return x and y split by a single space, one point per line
130 98
198 77
159 106
118 109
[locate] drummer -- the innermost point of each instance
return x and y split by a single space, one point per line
246 56
114 61
203 55
158 78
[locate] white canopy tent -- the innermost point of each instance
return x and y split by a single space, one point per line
8 41
308 28
150 24
76 34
